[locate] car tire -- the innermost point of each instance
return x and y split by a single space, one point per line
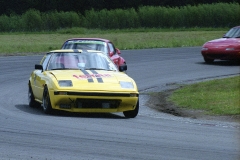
31 99
132 113
207 60
47 107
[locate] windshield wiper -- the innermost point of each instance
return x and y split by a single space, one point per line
57 69
94 69
98 69
70 68
64 69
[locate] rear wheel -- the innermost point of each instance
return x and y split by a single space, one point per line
132 113
207 60
31 99
47 107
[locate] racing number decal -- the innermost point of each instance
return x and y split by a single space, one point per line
90 77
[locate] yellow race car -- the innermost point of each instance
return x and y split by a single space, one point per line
82 81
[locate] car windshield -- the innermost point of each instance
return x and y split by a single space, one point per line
86 45
233 33
83 61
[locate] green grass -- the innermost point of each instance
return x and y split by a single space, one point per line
215 97
22 43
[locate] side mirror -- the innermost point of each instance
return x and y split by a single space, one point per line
123 68
118 51
39 67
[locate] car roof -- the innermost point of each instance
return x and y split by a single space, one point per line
236 27
74 51
96 39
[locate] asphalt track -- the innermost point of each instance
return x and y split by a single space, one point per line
27 133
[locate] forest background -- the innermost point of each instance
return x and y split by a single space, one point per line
52 15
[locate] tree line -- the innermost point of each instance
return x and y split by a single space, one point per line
80 6
204 15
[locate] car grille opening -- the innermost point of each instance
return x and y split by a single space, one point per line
97 103
217 56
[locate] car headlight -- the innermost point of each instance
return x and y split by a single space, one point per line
65 83
230 49
126 84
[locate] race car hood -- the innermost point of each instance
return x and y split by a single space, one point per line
224 41
93 79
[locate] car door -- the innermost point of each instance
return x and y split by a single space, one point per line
39 79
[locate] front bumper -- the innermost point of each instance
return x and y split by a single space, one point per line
221 54
93 101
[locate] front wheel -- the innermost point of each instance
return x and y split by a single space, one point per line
47 107
132 113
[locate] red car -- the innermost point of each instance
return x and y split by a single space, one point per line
225 48
104 45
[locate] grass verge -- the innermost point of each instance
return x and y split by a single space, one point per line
214 97
22 43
